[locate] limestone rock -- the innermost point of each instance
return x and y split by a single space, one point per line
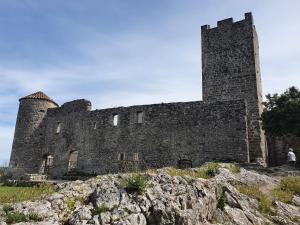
296 200
180 200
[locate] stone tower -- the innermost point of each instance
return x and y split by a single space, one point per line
230 70
25 150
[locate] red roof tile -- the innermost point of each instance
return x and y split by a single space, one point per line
39 95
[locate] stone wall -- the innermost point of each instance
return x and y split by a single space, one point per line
28 136
195 131
278 149
230 70
225 126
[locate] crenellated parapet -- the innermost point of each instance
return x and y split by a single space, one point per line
228 23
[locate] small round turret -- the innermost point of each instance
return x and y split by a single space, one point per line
32 110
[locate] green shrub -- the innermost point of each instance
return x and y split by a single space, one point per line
136 182
7 208
15 217
282 195
98 210
222 201
291 184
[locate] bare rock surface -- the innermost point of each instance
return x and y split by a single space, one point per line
180 200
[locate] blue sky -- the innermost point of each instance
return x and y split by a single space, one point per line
120 53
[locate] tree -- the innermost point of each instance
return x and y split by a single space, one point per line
282 113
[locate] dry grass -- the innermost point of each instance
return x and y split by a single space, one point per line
19 194
282 195
265 204
291 184
205 172
234 168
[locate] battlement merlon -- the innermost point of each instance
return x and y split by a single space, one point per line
228 22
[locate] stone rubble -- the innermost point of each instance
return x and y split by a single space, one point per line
168 200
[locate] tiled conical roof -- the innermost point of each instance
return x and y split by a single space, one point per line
39 95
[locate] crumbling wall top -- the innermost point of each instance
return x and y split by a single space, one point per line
77 106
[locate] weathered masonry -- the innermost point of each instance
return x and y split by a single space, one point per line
55 140
230 70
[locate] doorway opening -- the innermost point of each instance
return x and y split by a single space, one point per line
73 160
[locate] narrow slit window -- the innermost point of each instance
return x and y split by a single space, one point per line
58 128
115 119
140 117
121 156
95 125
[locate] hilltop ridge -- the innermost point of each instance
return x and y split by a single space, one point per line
212 194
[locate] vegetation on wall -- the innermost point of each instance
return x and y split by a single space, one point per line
282 113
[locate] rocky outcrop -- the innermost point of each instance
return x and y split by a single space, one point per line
180 200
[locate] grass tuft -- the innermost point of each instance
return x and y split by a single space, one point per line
71 203
282 195
234 168
207 171
15 217
136 183
34 217
11 216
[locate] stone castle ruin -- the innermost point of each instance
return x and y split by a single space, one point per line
225 126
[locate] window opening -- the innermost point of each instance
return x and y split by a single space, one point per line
121 156
58 128
136 156
184 164
140 117
115 119
73 159
95 125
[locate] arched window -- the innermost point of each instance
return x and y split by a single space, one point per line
73 159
